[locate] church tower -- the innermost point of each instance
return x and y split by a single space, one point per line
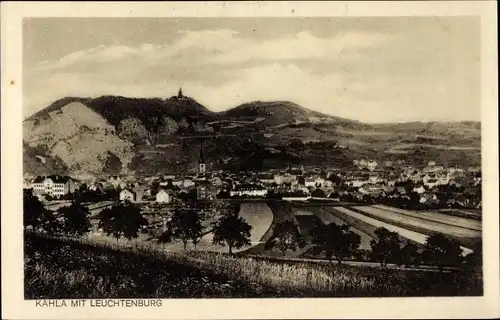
201 163
180 95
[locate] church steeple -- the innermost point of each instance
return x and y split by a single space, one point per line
201 163
180 95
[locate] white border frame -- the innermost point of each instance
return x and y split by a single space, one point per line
14 307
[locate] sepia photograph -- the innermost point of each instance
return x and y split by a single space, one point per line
245 157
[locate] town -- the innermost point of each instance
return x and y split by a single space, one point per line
393 182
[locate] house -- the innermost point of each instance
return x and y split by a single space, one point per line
54 185
127 195
116 181
429 176
204 190
250 190
419 189
391 183
319 181
428 197
362 163
216 181
163 196
370 188
183 183
327 184
401 190
443 178
280 179
309 182
431 183
371 165
96 186
266 178
356 182
373 178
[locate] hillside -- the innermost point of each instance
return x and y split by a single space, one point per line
147 110
112 135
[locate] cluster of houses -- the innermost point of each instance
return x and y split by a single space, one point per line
364 179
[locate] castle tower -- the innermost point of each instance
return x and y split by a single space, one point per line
180 95
201 163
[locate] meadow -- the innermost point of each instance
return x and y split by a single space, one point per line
77 268
414 228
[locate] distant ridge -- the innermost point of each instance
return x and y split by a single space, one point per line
120 135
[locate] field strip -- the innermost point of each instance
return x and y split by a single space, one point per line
462 214
469 213
259 216
412 235
436 217
301 212
419 223
328 217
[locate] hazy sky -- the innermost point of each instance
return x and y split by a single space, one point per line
369 69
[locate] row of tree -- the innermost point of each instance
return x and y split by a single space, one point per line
124 220
334 242
339 242
229 229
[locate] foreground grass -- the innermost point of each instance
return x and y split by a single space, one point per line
57 269
71 269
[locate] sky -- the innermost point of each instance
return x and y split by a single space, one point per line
371 69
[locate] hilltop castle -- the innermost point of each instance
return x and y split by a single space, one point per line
180 95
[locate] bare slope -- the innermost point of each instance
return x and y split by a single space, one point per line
81 138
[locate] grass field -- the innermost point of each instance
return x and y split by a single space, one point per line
259 216
281 212
417 228
375 223
327 217
68 268
435 217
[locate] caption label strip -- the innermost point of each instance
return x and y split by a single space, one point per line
98 303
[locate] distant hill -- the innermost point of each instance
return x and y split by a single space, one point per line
275 113
116 108
114 134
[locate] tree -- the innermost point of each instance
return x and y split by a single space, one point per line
122 220
33 209
190 195
335 241
410 256
49 223
232 230
165 237
76 219
475 258
386 246
185 225
318 193
442 251
285 237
